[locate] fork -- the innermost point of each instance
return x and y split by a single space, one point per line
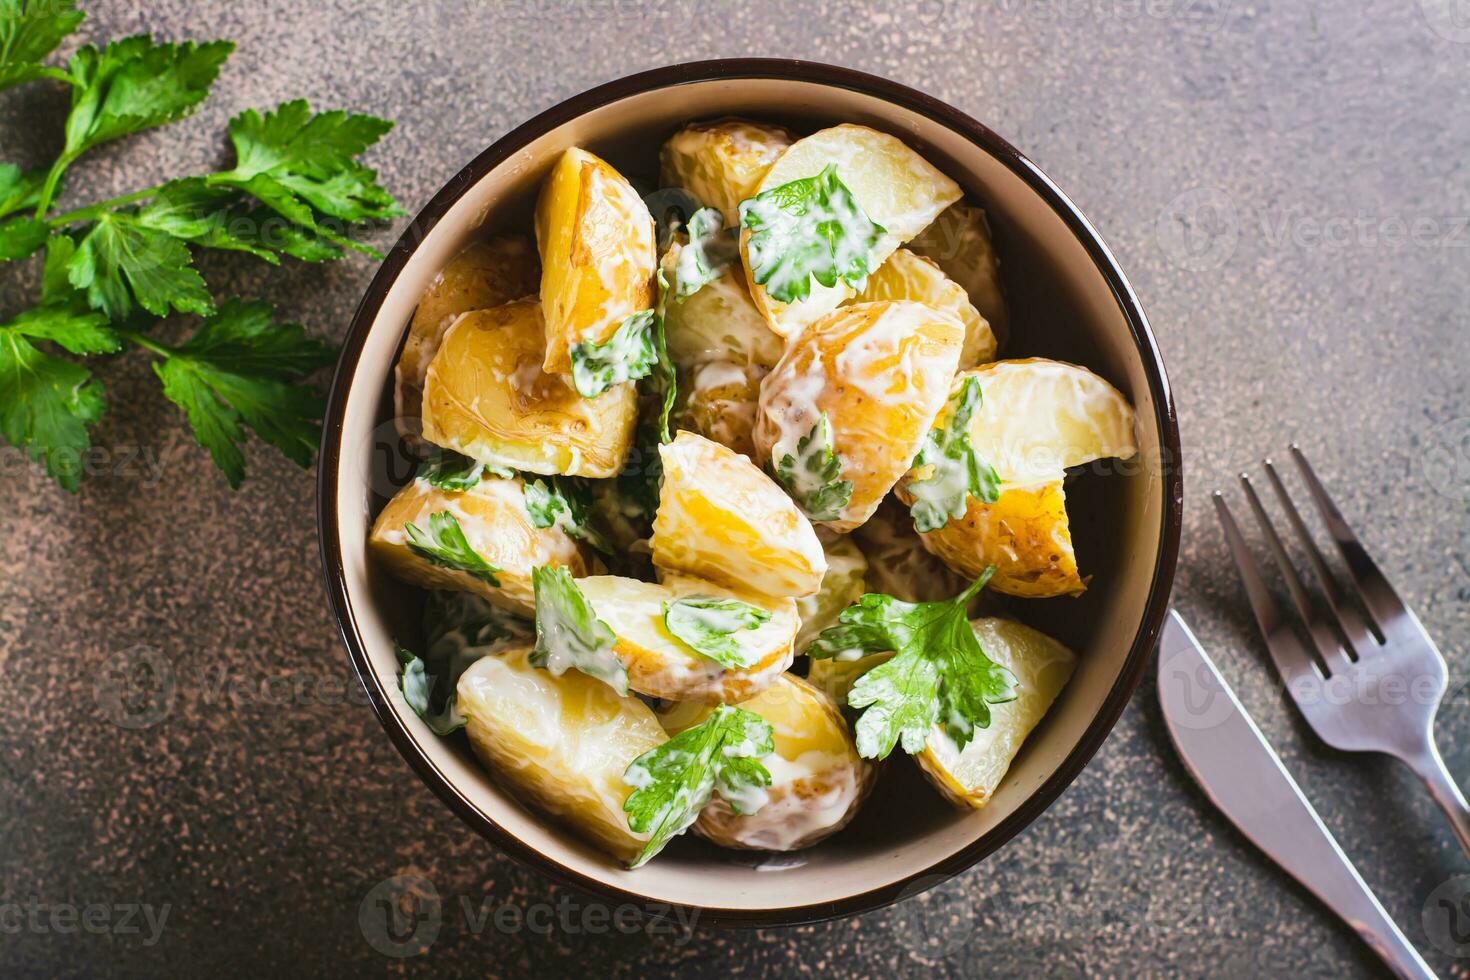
1372 679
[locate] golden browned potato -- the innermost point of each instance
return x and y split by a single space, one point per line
560 742
960 241
661 665
487 396
596 240
818 780
721 518
909 276
717 400
483 275
1024 534
895 187
721 162
1042 667
878 373
492 515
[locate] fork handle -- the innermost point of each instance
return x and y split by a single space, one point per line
1430 767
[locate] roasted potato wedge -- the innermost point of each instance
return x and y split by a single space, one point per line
1024 534
721 162
895 186
720 323
909 276
493 516
879 372
841 587
661 665
1042 667
717 400
818 780
561 743
596 240
960 241
484 274
487 396
721 518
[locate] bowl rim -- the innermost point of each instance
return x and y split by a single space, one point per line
938 111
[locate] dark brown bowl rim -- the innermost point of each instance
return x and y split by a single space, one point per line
795 70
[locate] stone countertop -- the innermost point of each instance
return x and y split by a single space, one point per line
1284 183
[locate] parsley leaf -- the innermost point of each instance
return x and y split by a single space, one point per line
445 545
664 378
938 674
565 502
238 370
453 472
629 354
460 628
29 31
298 164
568 632
120 259
708 625
673 782
134 84
21 236
46 402
18 189
951 470
811 475
812 228
710 250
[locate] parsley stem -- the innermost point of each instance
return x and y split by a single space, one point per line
145 342
53 180
93 211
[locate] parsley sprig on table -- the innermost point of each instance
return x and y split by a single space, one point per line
673 782
114 268
938 675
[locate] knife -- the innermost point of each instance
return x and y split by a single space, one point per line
1234 764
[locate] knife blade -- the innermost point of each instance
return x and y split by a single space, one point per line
1241 774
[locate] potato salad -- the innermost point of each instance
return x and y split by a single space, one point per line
714 472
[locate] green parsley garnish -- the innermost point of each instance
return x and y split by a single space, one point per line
629 354
709 625
673 782
459 628
811 475
938 674
568 632
296 188
565 502
710 250
446 546
812 228
952 470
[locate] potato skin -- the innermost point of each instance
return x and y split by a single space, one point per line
721 162
493 517
561 743
598 257
818 780
722 519
717 400
880 372
487 396
1024 534
909 276
483 275
960 242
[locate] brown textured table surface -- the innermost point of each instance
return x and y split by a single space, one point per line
1286 186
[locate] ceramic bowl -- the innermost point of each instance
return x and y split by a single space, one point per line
1069 300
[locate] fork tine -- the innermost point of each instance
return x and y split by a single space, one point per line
1354 626
1377 595
1329 651
1291 658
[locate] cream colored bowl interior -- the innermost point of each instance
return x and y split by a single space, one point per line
1062 307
